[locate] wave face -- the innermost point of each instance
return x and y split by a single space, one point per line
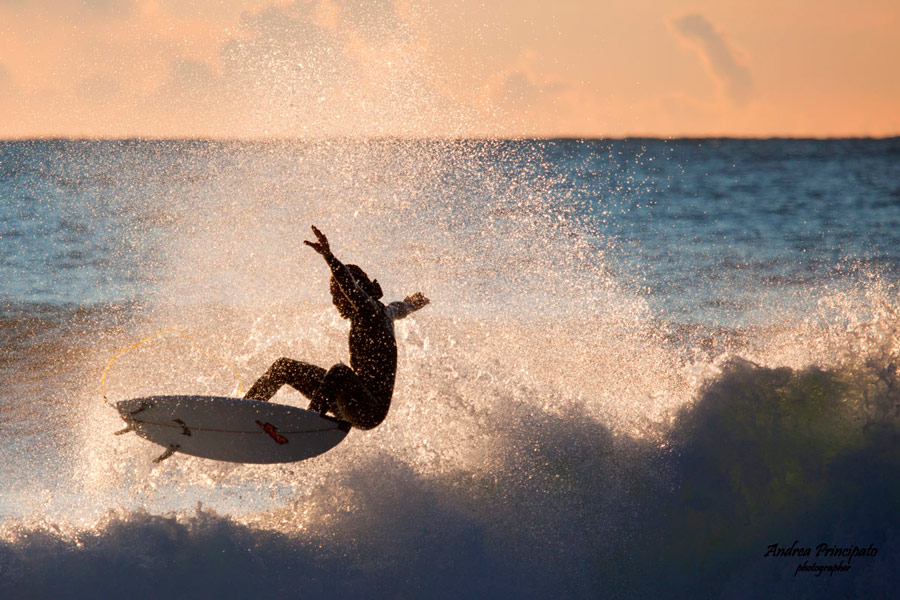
649 368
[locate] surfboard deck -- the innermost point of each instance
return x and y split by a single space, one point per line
231 429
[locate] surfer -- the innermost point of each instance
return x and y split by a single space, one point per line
361 393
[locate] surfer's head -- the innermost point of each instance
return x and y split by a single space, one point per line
365 284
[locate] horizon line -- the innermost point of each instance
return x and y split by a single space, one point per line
434 138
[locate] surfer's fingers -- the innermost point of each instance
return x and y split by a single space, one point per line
319 235
417 300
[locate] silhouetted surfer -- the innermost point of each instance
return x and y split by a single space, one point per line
361 393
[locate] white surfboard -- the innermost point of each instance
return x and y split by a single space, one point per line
231 429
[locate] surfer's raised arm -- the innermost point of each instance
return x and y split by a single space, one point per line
358 394
348 284
410 304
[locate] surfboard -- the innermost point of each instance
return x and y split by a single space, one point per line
231 429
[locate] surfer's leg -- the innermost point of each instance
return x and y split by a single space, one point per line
345 395
303 377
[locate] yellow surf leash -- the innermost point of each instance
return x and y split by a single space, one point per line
147 339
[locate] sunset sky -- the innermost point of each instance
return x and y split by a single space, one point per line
264 68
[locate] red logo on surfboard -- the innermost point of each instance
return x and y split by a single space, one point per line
273 432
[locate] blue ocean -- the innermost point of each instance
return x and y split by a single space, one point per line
650 368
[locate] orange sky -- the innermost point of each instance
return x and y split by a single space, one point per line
259 68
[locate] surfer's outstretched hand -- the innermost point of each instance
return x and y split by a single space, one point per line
321 244
417 300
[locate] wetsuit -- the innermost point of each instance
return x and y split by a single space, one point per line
361 393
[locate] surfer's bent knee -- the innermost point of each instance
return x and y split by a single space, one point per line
281 365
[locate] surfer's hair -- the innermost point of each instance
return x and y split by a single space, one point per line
372 288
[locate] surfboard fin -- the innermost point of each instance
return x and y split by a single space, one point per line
129 427
169 452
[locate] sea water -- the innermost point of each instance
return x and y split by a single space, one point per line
649 367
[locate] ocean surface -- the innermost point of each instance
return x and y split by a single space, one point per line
650 368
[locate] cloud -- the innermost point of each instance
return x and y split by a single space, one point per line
98 89
531 100
523 89
717 55
192 73
332 68
116 9
523 86
193 91
536 103
374 20
287 68
107 8
312 68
